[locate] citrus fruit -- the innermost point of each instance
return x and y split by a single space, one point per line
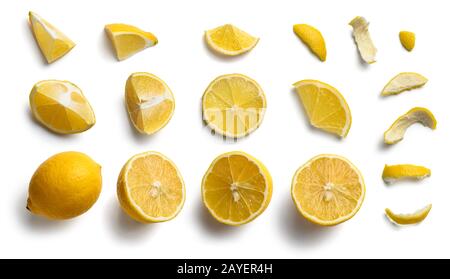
313 39
60 106
52 42
404 171
325 107
64 186
328 190
128 40
150 188
233 105
236 188
230 40
407 39
149 101
361 34
403 82
409 218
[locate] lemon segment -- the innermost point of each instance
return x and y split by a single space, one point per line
313 39
233 105
61 107
150 188
64 186
128 40
364 42
236 188
404 171
325 107
403 82
410 218
407 39
328 190
230 40
52 42
416 115
150 102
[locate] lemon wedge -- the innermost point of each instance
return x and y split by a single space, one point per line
230 40
416 115
233 105
128 40
149 101
410 218
313 39
236 188
61 107
403 82
325 107
328 190
407 39
404 171
361 34
52 42
150 188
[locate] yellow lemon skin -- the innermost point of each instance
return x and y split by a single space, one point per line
407 39
313 39
405 171
65 186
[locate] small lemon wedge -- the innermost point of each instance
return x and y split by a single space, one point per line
416 115
52 42
236 188
313 39
129 40
150 188
61 107
361 34
404 171
150 102
403 82
407 39
230 40
410 218
325 107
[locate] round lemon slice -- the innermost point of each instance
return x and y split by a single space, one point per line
313 39
233 105
230 40
328 190
404 171
61 107
237 188
409 218
150 188
403 82
150 102
325 107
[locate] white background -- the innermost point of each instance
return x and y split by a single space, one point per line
283 142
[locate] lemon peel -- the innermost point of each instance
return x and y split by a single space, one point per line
312 38
361 34
407 39
409 218
403 82
393 173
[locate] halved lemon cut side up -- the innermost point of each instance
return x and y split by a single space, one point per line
363 41
328 190
403 82
233 105
325 107
60 106
150 188
409 218
416 115
128 40
312 37
236 188
230 40
150 102
394 173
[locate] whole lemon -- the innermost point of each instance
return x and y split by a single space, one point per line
64 186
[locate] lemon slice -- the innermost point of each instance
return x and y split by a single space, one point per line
416 115
325 107
129 40
52 42
150 103
61 107
237 188
403 82
404 171
361 34
408 219
328 190
313 39
230 40
233 105
150 188
407 39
